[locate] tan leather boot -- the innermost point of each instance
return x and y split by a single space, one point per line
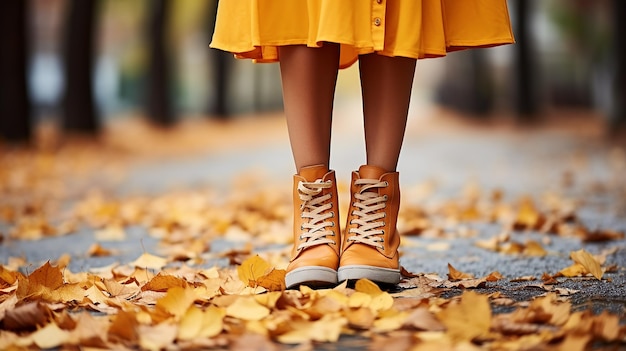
315 253
371 240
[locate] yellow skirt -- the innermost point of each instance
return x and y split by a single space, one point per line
418 29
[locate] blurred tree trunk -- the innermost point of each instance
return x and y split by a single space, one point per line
474 94
159 104
220 63
618 114
15 112
79 107
526 103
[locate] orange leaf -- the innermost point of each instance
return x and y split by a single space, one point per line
273 281
453 274
47 275
494 276
162 282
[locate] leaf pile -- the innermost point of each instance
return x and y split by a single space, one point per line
184 308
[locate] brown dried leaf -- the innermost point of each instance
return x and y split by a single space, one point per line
454 274
27 317
494 276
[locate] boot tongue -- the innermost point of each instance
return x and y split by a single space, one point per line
313 173
371 172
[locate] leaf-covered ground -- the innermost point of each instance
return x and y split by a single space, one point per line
102 249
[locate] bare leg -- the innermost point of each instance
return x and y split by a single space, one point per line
309 76
386 87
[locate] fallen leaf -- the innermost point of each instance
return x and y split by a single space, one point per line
163 282
149 261
50 336
252 269
533 248
273 281
176 301
454 274
246 308
494 276
421 318
201 324
47 275
468 319
96 250
157 337
585 259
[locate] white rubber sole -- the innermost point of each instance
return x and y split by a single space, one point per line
375 274
311 276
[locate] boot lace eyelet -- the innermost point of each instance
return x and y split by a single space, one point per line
385 197
332 214
386 183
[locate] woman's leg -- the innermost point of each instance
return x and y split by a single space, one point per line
309 76
386 87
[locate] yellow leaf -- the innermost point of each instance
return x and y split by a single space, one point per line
381 302
585 259
453 274
327 329
368 287
176 301
50 336
391 322
150 261
268 300
361 318
157 337
359 299
252 269
248 309
201 324
468 319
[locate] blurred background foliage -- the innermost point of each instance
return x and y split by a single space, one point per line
567 56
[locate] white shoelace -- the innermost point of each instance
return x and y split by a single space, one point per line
369 204
314 207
